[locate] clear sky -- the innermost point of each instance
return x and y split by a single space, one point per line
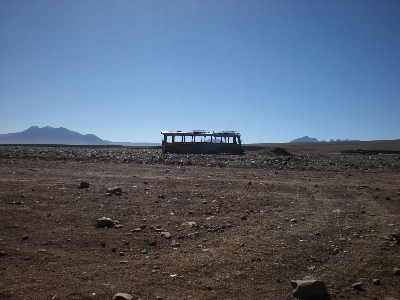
272 70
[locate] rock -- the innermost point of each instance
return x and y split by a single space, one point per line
190 224
175 244
376 281
25 237
83 185
244 217
105 222
395 235
357 285
309 289
3 253
396 271
166 234
122 296
115 190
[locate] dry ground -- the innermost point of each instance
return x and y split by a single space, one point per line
213 227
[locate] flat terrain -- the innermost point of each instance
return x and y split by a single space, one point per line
197 227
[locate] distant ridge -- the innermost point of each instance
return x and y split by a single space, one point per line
307 139
59 136
50 135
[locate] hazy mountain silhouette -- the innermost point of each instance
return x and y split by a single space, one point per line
304 139
307 139
50 135
59 136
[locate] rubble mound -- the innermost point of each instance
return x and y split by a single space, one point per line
281 152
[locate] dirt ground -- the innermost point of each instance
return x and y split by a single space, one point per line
199 226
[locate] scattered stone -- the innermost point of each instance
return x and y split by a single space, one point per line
293 221
357 285
115 190
309 289
395 235
166 235
84 185
396 271
105 222
122 296
175 244
156 269
190 224
376 281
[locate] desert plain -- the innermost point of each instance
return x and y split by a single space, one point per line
199 226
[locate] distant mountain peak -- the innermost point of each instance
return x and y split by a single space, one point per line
307 139
304 139
59 136
50 135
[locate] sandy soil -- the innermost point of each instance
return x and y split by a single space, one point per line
199 227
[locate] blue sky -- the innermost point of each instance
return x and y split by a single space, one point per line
272 70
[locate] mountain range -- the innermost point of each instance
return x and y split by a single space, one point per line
59 136
307 139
